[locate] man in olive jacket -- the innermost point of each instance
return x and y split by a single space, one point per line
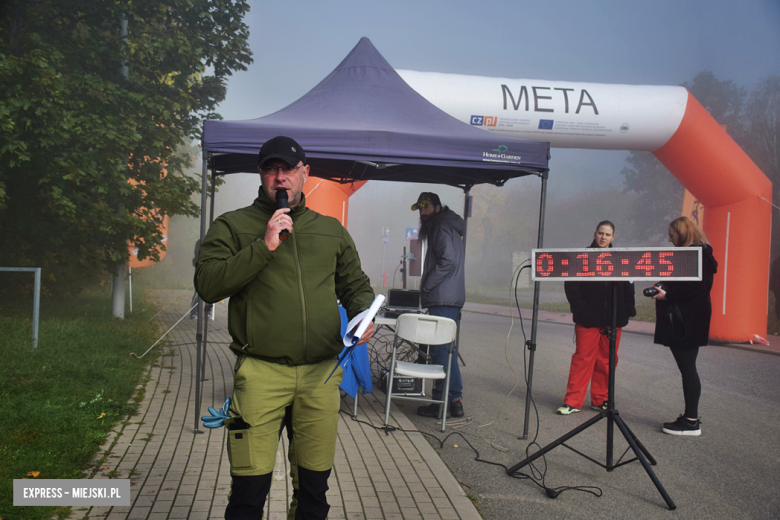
284 320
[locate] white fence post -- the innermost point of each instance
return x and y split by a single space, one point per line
36 299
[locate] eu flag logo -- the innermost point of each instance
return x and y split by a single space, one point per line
546 124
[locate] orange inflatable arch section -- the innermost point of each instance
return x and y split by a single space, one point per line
735 193
330 198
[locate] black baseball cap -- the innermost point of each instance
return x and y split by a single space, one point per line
425 199
281 147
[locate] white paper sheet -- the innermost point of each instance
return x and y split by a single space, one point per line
364 318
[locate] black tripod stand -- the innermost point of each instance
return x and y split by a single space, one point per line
613 417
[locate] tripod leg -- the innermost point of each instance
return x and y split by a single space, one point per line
557 442
641 446
630 439
610 434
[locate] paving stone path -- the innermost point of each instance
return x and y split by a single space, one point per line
176 473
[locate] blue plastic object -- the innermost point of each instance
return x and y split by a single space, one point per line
347 350
217 417
355 363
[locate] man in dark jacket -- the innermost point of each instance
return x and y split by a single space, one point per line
284 319
443 287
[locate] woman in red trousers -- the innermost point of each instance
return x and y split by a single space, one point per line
591 307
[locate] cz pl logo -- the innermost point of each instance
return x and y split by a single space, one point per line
484 120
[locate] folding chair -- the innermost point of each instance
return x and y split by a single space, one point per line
425 329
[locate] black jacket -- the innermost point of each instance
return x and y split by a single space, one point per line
444 272
591 302
683 319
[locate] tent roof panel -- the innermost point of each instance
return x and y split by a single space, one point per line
363 112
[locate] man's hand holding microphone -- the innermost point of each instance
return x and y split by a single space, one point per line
280 224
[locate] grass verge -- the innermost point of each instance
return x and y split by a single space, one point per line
61 399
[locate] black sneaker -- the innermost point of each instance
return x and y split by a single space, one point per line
456 408
433 410
599 408
683 426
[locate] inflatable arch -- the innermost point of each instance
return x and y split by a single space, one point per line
330 198
667 121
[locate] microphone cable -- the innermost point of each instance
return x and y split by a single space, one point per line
536 475
551 492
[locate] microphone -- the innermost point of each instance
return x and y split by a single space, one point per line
281 202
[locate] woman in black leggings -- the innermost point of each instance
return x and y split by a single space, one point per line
682 322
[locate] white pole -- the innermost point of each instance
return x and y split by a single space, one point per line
36 306
118 284
36 298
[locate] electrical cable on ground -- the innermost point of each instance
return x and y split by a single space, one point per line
173 302
506 356
538 476
457 425
380 352
551 492
166 333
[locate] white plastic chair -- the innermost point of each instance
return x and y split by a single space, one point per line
425 329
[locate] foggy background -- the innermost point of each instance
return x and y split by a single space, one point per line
296 44
503 227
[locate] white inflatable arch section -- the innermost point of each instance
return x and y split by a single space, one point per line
670 123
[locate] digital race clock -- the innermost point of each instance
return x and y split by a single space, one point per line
629 263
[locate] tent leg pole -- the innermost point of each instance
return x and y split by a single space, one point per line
466 192
467 199
535 316
206 318
201 313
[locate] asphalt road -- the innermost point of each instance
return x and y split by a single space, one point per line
731 471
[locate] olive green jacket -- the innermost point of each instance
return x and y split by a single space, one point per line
283 304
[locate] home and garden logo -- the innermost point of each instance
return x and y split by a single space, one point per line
499 154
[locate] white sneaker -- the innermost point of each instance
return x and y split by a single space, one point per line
567 410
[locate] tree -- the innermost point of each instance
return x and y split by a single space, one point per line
724 100
504 221
762 139
73 130
571 221
659 194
